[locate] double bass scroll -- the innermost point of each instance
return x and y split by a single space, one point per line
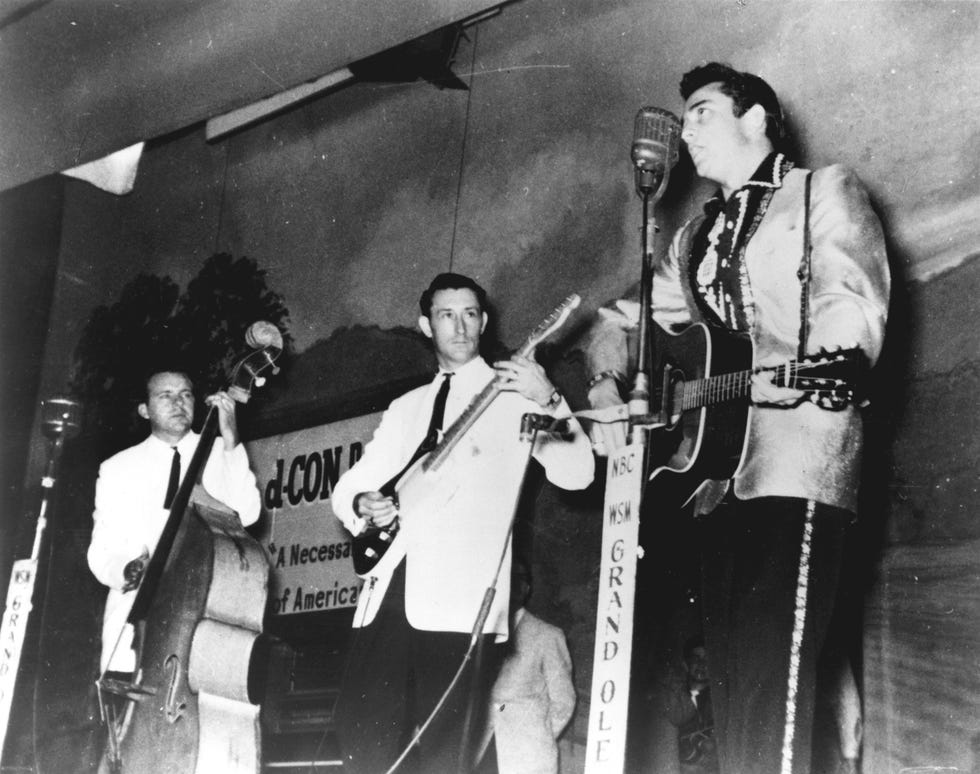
197 618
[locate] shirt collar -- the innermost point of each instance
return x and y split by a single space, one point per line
769 174
185 445
472 372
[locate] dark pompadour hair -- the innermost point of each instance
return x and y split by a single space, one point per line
451 281
745 91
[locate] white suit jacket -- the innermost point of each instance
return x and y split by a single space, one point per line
806 451
129 516
454 526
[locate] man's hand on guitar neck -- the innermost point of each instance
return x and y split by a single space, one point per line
377 510
525 376
766 393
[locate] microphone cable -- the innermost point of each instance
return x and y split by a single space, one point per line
481 618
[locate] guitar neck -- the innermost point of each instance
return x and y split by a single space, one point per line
463 423
714 389
730 386
486 396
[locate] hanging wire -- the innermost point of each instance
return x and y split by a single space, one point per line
221 198
462 147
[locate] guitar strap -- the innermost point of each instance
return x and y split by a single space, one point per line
804 272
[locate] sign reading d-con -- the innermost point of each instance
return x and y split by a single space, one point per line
308 548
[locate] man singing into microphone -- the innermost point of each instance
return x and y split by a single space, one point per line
773 535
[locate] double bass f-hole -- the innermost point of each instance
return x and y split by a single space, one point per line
172 708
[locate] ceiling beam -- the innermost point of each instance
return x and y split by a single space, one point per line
80 79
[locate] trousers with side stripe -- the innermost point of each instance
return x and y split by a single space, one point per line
770 571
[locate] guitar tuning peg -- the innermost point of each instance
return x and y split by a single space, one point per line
259 381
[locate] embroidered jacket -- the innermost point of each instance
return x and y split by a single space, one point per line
806 451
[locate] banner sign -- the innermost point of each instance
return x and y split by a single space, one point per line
606 745
308 548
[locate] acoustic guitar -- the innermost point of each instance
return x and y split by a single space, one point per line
703 395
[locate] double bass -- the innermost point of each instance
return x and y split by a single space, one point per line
197 620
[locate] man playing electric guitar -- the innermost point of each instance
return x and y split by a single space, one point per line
421 600
773 534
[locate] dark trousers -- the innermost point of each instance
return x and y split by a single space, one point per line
395 676
770 570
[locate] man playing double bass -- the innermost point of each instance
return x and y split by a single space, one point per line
135 489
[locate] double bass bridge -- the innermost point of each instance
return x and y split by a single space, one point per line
173 709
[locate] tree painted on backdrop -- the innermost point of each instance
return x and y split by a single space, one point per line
201 330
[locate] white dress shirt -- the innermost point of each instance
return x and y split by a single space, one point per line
129 517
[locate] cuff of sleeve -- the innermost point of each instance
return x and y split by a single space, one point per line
610 373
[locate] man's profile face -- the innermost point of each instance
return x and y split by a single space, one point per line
169 405
455 323
716 139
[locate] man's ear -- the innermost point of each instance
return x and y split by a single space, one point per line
143 411
484 326
426 326
755 117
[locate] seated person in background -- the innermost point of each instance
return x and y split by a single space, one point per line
534 696
689 708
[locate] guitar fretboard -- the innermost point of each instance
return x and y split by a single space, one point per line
715 389
463 423
486 396
738 384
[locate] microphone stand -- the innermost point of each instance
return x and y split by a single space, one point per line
641 421
60 420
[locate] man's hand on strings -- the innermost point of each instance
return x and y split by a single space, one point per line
377 510
766 393
525 376
227 423
606 436
133 571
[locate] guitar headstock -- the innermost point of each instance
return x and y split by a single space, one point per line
832 379
250 371
551 323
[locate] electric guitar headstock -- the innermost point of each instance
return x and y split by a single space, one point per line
550 324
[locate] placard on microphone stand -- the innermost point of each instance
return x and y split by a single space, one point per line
608 716
655 150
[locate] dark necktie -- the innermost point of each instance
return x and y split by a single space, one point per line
174 480
438 412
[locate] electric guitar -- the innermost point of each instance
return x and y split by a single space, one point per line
706 381
371 544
